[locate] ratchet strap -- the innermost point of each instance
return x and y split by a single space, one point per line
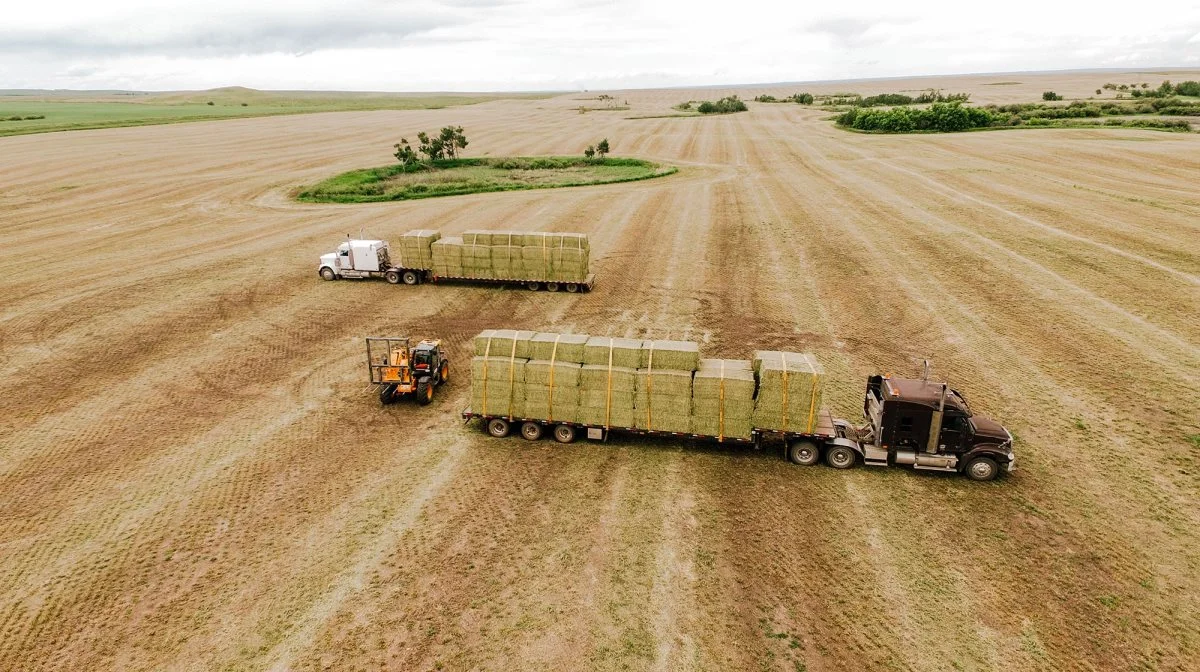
784 356
608 397
812 396
553 356
512 366
545 260
486 351
650 388
721 407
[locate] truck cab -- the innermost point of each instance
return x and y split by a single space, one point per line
929 426
355 259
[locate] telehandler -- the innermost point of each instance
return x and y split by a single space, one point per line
401 369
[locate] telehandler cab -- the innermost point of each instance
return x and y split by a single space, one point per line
400 369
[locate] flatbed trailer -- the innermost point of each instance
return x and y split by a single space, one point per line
585 285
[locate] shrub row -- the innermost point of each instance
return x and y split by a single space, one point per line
17 117
944 117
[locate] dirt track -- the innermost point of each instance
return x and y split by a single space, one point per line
194 474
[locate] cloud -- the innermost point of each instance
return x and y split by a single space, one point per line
233 33
854 32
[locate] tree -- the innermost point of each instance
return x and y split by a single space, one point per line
453 140
602 148
589 152
1050 95
406 156
433 148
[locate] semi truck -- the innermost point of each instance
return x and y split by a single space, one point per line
368 258
913 422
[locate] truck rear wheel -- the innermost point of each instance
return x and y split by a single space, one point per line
572 287
498 427
424 392
804 453
551 286
410 277
392 277
840 457
533 286
564 434
981 469
532 431
327 273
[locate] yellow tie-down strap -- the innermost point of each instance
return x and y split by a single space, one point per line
512 365
553 357
812 395
545 258
785 389
487 351
650 388
608 396
721 407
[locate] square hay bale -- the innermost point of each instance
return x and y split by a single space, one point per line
723 398
679 355
606 396
790 387
498 386
559 347
507 239
559 374
575 241
415 248
554 405
568 265
447 257
476 237
503 343
623 352
663 400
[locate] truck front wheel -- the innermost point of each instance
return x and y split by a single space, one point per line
981 469
804 453
392 277
327 273
840 457
424 392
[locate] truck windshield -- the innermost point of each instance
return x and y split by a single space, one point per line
421 358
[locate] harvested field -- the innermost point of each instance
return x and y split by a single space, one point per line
195 475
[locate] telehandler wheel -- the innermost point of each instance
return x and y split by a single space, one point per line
981 469
498 427
532 431
392 277
804 453
840 457
444 373
564 434
410 277
572 287
387 394
424 392
327 273
533 286
551 286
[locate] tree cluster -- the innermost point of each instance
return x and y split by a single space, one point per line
1050 95
597 151
944 117
447 144
725 105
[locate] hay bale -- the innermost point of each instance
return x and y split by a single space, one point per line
678 355
606 396
447 256
559 374
559 347
557 404
723 398
498 386
790 387
568 265
503 343
663 400
415 248
623 352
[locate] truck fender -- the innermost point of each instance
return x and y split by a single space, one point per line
993 451
852 445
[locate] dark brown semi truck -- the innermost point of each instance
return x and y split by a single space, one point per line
912 422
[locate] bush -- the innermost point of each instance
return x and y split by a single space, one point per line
766 99
725 105
1050 95
210 103
886 99
1188 88
939 117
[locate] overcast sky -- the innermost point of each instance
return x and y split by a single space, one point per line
486 45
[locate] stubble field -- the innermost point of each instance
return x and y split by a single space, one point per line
194 473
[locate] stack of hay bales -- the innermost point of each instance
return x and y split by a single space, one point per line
789 391
512 255
552 376
498 372
415 248
663 399
723 399
609 381
447 254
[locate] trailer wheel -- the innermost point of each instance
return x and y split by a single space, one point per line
387 394
410 277
424 392
533 286
982 469
840 457
572 287
551 286
564 434
532 431
327 273
804 453
498 427
392 277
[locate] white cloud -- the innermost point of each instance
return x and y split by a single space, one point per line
521 44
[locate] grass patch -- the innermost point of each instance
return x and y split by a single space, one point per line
47 113
1002 83
455 177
